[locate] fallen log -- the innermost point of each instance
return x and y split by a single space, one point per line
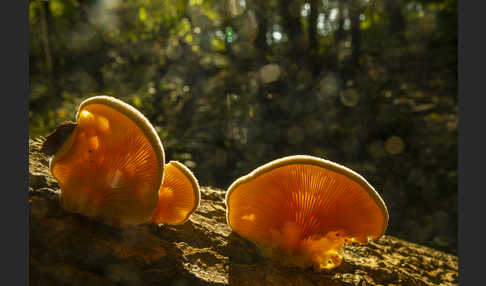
69 249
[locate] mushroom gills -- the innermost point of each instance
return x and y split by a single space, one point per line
179 195
113 166
303 209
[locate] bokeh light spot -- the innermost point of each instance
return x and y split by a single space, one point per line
349 97
394 145
269 73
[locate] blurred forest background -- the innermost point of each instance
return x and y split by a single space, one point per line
233 84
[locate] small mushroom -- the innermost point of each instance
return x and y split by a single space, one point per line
179 195
303 209
109 164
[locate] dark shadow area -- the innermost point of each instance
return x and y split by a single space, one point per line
249 253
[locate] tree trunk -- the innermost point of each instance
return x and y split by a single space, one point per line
290 14
339 34
355 11
47 32
313 36
396 19
262 23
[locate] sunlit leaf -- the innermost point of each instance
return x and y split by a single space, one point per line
142 14
137 101
217 44
195 2
57 7
188 38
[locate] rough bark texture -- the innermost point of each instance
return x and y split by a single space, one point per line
69 249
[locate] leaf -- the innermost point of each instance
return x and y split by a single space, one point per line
142 14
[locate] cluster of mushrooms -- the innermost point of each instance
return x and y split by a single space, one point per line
110 165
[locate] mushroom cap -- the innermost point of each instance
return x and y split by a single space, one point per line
179 195
111 166
306 206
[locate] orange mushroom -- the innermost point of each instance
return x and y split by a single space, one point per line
179 195
305 208
109 164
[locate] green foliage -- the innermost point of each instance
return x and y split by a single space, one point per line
230 85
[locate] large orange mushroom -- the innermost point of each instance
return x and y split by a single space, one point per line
179 195
109 164
304 209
